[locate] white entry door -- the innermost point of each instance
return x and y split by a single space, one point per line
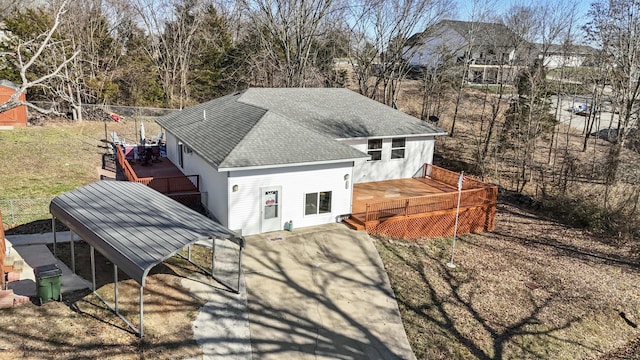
271 209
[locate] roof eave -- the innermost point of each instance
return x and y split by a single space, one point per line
286 165
394 136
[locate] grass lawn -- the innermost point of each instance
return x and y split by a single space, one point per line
532 289
40 162
48 160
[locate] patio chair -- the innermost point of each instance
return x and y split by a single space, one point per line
155 154
117 140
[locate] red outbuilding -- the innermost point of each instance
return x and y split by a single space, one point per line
15 117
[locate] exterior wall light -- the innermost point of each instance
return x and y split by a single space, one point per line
235 188
346 177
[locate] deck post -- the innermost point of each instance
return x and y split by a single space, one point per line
406 208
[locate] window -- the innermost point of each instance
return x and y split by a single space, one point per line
317 203
375 149
397 148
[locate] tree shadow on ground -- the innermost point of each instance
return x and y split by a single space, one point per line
83 327
315 295
456 314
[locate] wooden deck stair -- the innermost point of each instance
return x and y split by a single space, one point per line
354 223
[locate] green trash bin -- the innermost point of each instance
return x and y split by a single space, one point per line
48 283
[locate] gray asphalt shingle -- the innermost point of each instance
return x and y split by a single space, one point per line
278 126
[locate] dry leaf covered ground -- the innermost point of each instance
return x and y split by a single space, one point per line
82 327
534 288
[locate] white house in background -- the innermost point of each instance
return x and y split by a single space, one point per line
266 157
489 43
566 55
494 50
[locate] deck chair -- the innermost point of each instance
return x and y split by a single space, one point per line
116 139
155 154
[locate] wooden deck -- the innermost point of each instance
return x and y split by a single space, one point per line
163 176
163 168
380 191
424 206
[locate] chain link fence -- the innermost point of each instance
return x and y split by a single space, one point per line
121 110
22 211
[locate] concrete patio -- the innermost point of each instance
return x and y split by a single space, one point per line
314 293
321 293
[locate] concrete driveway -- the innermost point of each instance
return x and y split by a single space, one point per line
321 293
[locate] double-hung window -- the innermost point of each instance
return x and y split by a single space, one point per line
397 148
375 149
317 203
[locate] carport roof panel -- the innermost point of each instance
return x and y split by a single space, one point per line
132 225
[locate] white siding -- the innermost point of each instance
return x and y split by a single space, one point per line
172 146
244 204
556 61
418 151
213 184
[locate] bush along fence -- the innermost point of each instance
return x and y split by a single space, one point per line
17 212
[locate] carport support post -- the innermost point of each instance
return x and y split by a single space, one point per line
213 255
141 311
73 252
53 226
115 287
239 267
93 269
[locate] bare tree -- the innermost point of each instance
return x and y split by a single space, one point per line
287 31
380 31
615 26
172 26
529 117
48 51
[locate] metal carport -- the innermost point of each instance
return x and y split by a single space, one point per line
136 228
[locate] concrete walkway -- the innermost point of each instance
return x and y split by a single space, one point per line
32 249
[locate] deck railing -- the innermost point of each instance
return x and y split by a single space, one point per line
474 193
165 185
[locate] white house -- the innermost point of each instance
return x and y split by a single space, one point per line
491 50
267 157
556 56
489 43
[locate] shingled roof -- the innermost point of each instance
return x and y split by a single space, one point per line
263 127
481 33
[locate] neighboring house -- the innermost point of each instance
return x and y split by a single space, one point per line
557 56
491 49
267 157
16 117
